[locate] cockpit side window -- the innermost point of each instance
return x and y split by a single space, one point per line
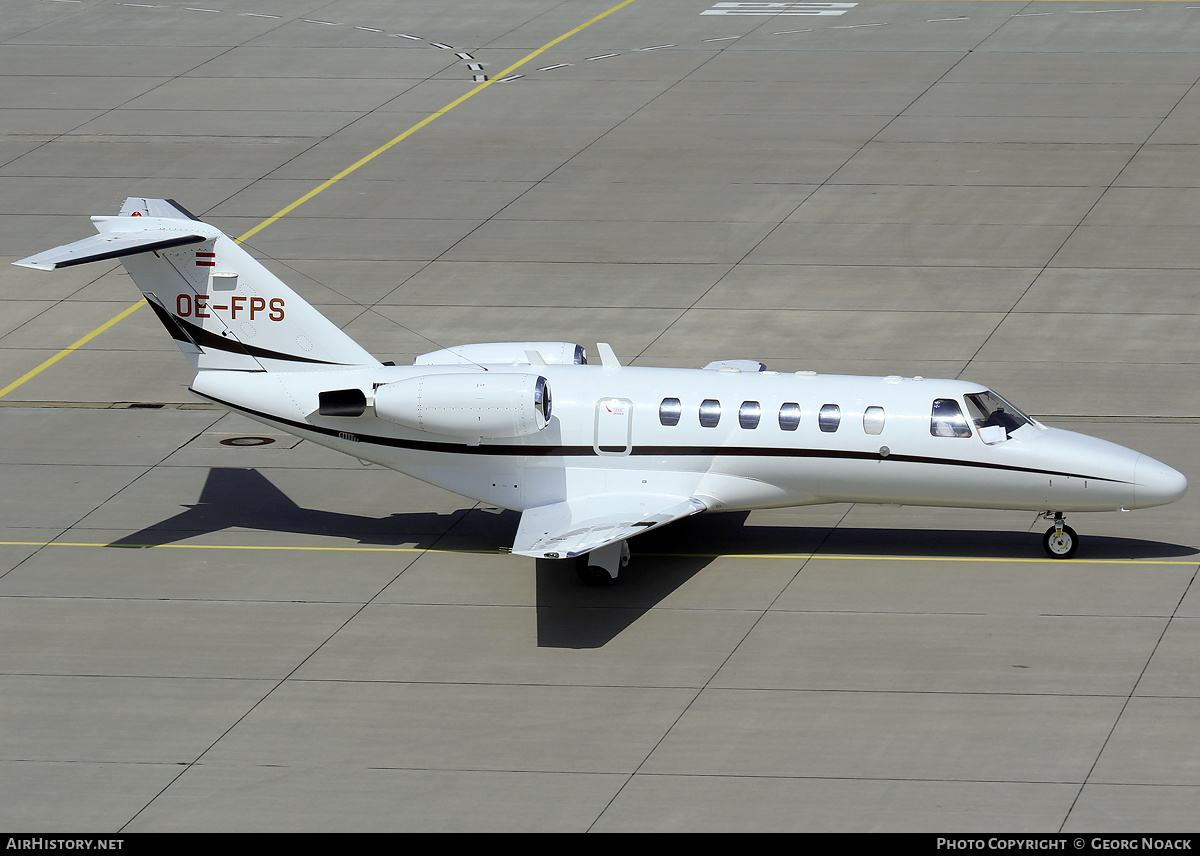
947 419
988 409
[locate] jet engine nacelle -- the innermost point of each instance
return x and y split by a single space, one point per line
468 406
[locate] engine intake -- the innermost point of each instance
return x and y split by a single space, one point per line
468 406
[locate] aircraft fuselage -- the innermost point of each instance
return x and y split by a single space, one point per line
857 439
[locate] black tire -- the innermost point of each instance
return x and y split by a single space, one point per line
592 575
1060 548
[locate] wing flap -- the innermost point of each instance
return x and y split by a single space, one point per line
579 525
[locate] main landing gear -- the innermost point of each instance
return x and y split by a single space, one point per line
600 567
1060 540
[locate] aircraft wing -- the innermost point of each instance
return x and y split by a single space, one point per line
582 524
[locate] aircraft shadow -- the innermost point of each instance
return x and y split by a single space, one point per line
236 498
570 614
705 536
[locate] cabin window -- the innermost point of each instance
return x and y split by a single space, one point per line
710 413
873 420
749 414
829 418
947 419
669 411
789 416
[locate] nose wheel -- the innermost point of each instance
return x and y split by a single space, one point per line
1060 540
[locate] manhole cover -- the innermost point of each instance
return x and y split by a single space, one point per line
247 441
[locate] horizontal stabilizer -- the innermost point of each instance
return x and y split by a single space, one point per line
113 245
579 525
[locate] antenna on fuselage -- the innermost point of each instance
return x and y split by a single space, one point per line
608 358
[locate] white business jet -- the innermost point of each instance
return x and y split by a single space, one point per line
618 450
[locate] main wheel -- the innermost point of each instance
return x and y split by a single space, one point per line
592 575
1060 546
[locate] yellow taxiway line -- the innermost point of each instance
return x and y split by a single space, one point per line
324 186
432 116
799 557
74 346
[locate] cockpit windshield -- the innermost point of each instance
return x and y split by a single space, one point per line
987 410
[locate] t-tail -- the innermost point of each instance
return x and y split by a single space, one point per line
220 305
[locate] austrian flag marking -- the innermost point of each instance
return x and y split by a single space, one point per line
206 259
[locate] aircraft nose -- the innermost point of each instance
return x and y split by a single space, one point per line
1156 483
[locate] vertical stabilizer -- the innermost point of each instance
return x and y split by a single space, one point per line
220 305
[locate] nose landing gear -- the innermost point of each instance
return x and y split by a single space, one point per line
1060 540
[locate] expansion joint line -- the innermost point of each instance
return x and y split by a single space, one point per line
361 162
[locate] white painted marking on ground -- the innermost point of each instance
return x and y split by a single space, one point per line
510 77
1030 14
1100 11
789 32
935 20
723 39
778 9
479 78
656 47
473 66
856 26
552 67
601 56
